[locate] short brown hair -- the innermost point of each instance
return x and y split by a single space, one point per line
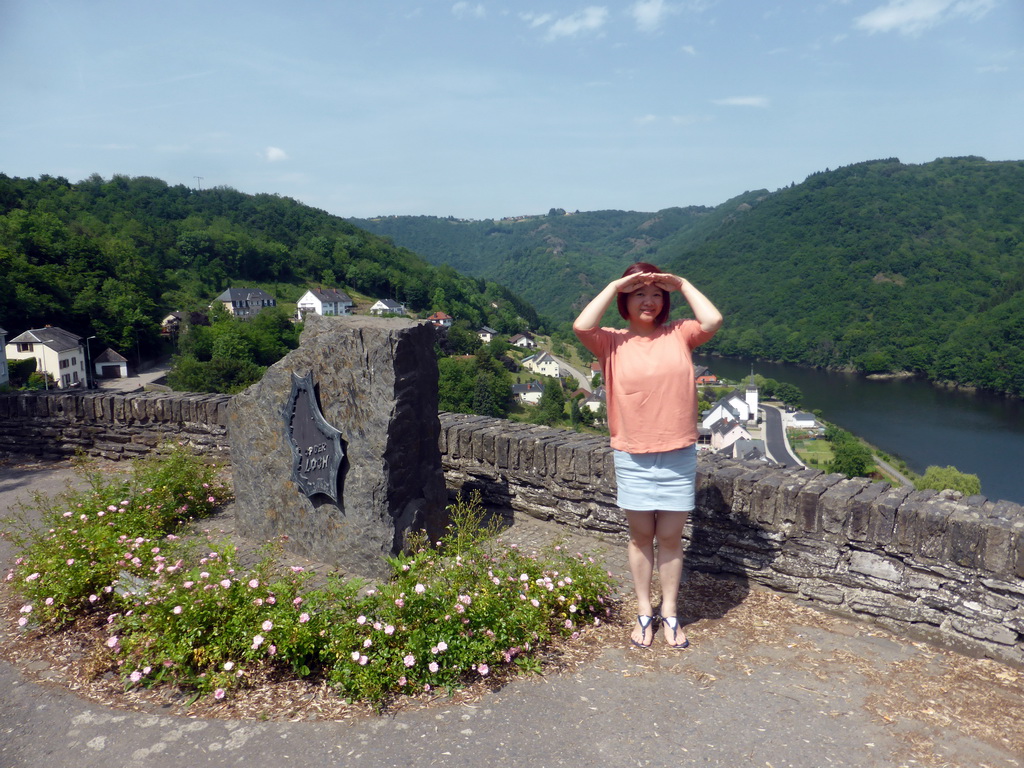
642 267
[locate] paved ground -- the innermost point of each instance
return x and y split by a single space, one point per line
765 683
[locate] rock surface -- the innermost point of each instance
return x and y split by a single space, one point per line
376 379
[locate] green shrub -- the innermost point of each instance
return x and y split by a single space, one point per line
181 611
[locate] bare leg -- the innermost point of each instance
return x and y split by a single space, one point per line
669 533
641 566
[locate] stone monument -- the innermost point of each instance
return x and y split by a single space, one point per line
336 448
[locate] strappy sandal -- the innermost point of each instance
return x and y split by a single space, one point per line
646 623
672 623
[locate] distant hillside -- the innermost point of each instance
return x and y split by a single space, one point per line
111 257
555 261
879 267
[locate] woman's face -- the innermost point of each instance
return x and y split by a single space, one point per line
644 304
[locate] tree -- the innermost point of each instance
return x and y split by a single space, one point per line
850 456
790 394
551 408
942 478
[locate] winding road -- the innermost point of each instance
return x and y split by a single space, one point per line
775 441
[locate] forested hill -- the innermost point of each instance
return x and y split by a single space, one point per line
879 266
556 260
111 258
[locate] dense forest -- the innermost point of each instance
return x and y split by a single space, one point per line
880 267
111 258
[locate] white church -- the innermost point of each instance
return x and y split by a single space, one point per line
736 406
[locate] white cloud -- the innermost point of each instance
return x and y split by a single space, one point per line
274 155
743 101
689 49
463 10
912 17
645 119
590 19
536 19
649 14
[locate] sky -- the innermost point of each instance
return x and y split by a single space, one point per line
494 108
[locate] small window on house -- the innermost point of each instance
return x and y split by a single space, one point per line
23 347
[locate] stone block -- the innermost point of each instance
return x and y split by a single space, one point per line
882 515
808 500
876 566
377 384
986 630
859 521
965 544
834 506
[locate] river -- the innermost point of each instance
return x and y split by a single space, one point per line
977 433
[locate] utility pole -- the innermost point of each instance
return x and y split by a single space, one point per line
199 182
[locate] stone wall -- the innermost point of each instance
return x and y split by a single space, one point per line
949 570
56 425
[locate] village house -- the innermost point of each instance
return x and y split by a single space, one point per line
523 340
703 375
528 393
110 365
57 352
387 307
594 400
245 303
172 323
441 320
543 363
802 420
746 450
726 432
487 334
741 408
5 376
324 301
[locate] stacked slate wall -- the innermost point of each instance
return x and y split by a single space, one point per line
919 563
53 425
950 570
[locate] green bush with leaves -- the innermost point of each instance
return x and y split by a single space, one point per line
92 539
180 610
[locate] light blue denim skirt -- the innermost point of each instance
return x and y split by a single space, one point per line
656 481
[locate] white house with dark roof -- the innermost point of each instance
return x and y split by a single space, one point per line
543 363
324 301
487 334
735 406
387 307
523 340
246 302
726 432
110 365
57 352
5 376
529 392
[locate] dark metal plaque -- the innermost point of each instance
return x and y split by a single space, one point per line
316 445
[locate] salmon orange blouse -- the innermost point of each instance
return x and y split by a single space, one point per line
649 384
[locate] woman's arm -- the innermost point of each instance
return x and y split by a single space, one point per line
707 314
591 315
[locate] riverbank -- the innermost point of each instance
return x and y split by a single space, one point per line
910 421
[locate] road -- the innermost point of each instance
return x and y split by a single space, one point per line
775 438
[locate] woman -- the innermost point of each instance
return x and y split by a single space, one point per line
652 417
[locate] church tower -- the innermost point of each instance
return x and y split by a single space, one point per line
751 395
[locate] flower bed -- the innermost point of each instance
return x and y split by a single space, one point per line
180 612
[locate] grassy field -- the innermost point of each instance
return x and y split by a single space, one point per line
815 452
